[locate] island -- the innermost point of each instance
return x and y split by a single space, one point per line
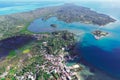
98 34
53 25
17 23
41 56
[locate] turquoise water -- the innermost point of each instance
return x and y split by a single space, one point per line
40 25
104 53
17 7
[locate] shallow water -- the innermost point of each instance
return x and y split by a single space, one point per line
17 7
104 53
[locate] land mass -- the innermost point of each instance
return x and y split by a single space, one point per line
98 34
17 23
41 60
42 56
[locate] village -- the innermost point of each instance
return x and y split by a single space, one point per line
57 66
54 63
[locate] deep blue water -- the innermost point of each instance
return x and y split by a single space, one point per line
14 43
104 53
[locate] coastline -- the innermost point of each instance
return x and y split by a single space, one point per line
47 12
30 32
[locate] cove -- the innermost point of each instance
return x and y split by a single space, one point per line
103 53
40 25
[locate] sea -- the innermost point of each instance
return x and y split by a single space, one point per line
103 54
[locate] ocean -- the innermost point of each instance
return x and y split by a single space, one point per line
104 54
7 8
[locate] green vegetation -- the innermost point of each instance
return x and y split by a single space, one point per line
27 58
25 30
2 69
11 54
2 79
43 76
26 51
12 71
22 63
55 75
13 24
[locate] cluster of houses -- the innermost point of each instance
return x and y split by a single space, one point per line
27 76
40 36
57 65
53 65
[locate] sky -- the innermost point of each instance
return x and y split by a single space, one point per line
62 0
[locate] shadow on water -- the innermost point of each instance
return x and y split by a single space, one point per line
13 43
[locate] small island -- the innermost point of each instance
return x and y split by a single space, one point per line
41 56
53 25
99 34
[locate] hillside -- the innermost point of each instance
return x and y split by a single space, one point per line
17 23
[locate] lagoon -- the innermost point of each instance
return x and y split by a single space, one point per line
103 53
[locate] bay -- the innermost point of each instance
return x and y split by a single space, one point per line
104 54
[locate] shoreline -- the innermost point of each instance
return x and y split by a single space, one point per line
98 34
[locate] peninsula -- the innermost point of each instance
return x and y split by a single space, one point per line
41 56
41 60
17 23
